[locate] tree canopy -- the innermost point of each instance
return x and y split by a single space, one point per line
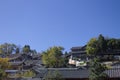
4 64
102 45
53 75
113 43
7 48
26 49
53 57
97 70
95 46
92 47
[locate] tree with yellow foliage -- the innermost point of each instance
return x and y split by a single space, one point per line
4 64
52 57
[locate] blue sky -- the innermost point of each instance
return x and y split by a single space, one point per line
67 23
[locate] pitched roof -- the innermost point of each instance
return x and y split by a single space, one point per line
14 56
113 73
11 71
75 73
65 72
30 79
79 48
16 63
33 62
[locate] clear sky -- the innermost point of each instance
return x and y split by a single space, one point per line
67 23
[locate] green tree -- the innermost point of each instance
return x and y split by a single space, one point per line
53 57
28 73
112 44
17 50
53 75
92 47
102 43
4 64
7 48
97 70
66 59
118 44
26 49
2 74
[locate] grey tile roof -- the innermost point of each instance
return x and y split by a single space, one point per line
14 56
31 79
16 63
79 52
37 55
78 48
113 73
75 73
13 71
65 72
33 62
35 79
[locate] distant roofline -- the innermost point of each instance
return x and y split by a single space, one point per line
78 47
